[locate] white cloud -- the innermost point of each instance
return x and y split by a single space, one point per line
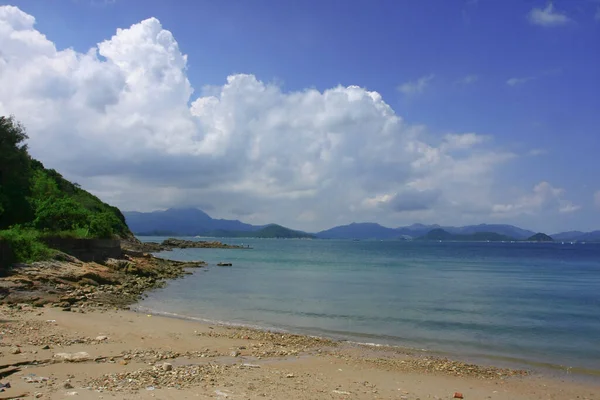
548 16
543 198
469 79
519 81
538 152
416 87
121 120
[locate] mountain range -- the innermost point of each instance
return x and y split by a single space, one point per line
192 222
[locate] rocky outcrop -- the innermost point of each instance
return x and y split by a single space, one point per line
72 284
138 248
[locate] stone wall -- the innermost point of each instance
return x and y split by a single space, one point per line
87 250
6 255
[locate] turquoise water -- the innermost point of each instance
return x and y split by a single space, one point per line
525 302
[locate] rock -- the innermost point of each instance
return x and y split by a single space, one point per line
66 309
67 385
101 338
167 367
38 395
458 395
289 376
73 357
222 264
46 347
15 350
234 353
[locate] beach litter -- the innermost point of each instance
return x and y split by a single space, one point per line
458 395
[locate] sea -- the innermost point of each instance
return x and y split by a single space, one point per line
530 305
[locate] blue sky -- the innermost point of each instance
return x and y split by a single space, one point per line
522 75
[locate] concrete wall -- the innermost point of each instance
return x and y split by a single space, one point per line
87 249
6 255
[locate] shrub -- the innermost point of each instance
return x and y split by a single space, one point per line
62 214
25 244
104 225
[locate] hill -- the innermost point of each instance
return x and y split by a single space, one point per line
441 234
359 231
272 231
540 237
376 231
578 236
182 222
36 202
278 231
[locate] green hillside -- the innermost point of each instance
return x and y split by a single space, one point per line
36 202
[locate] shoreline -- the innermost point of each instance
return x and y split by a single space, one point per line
533 367
68 328
128 354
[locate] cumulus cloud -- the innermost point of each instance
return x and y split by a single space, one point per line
548 16
122 120
416 87
544 197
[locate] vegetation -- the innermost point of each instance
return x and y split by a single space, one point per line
540 237
440 234
36 202
268 232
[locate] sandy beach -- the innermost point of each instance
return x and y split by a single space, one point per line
66 331
127 355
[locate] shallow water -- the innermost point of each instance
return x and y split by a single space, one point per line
530 303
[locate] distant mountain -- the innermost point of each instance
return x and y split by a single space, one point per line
182 221
376 231
278 231
441 234
506 230
540 237
578 236
272 231
362 231
570 235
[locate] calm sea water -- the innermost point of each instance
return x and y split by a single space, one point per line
527 303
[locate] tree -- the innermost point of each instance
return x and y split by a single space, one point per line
104 225
61 214
15 174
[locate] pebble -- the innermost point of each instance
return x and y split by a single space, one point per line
15 350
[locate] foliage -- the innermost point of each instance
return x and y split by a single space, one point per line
15 174
26 245
60 214
104 225
37 202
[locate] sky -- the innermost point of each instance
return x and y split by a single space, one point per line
316 113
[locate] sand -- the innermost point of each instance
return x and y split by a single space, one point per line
135 356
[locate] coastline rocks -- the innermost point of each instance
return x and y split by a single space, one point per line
141 249
73 357
223 264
